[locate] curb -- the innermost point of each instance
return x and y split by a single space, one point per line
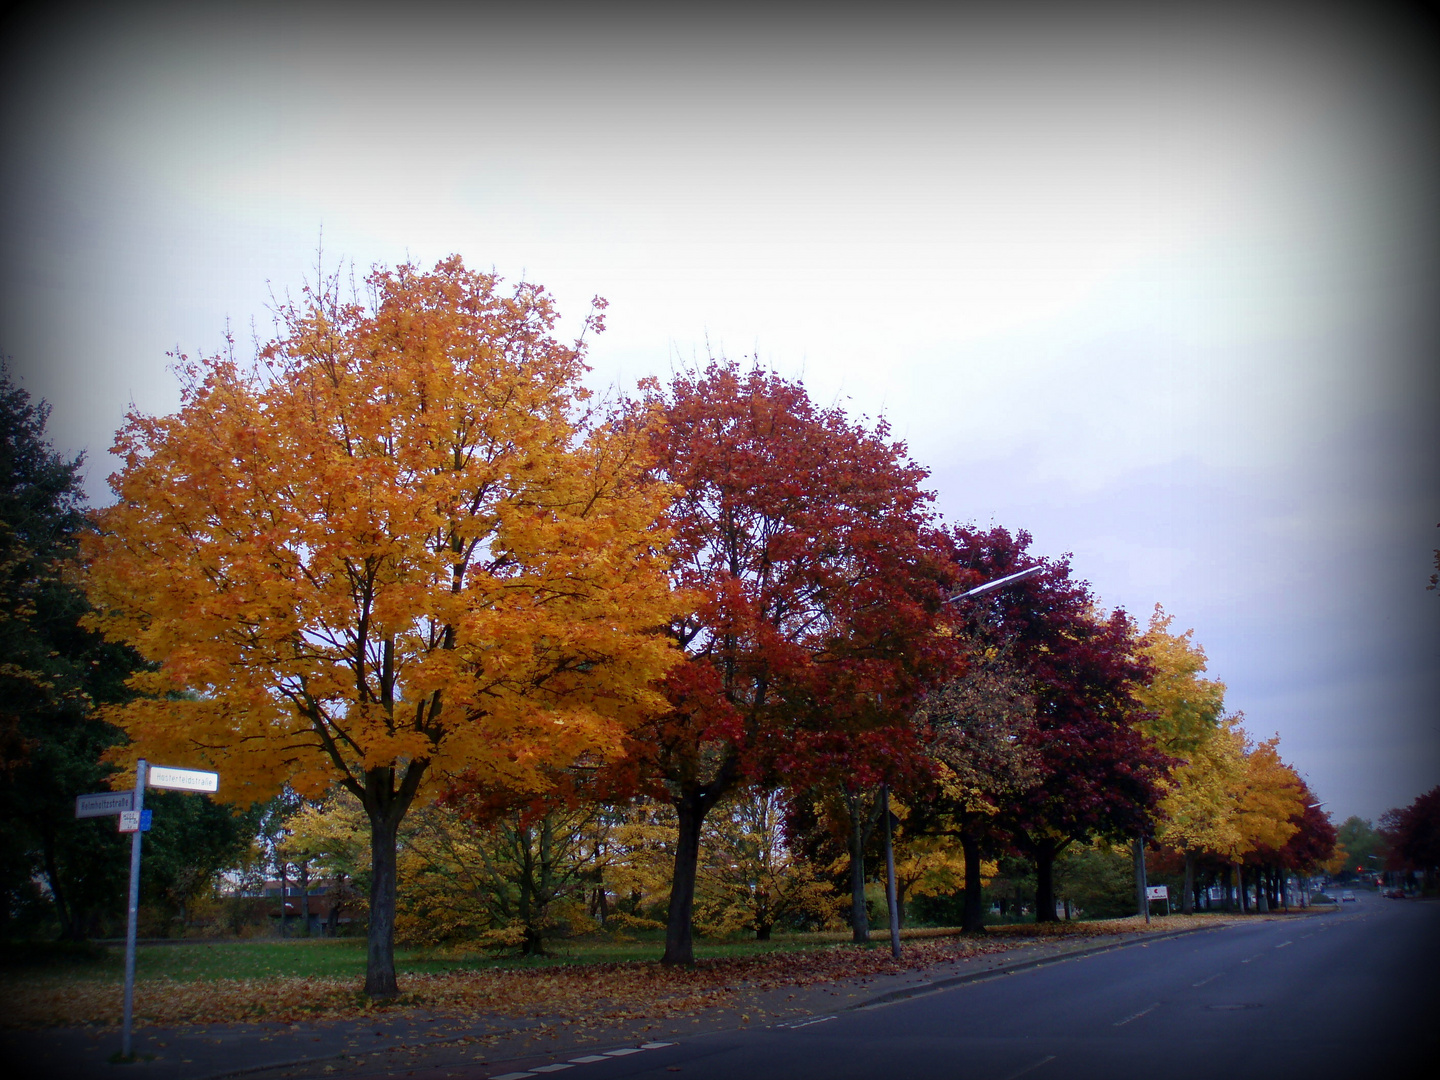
938 985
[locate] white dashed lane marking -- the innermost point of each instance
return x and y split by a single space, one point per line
557 1066
1029 1068
1136 1016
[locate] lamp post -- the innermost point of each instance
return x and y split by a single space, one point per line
997 583
989 586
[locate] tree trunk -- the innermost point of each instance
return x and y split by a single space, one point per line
1045 883
762 932
679 929
380 958
305 897
859 917
71 928
1188 906
1262 891
972 919
1137 853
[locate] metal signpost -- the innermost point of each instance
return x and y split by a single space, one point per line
135 819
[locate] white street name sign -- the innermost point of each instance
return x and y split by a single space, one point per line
183 779
104 803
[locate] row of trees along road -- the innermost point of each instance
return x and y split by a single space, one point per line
401 555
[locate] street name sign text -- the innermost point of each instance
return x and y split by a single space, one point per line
183 779
104 803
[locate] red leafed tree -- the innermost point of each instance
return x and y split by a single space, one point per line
1098 774
804 541
1314 842
1414 836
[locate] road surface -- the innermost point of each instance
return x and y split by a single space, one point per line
1345 995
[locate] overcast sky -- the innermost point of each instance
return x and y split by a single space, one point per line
1158 289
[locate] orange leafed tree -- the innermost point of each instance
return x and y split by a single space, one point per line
395 548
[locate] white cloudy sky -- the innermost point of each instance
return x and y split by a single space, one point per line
1157 289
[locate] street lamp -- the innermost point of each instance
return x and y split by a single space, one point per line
890 897
989 585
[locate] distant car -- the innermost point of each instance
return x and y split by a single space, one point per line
1347 897
1395 894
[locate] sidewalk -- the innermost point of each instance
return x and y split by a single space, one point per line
414 1043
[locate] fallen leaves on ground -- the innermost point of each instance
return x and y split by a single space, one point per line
1132 924
575 994
625 991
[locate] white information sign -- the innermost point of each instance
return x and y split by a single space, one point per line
129 820
183 779
1157 892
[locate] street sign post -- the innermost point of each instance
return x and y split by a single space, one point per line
104 803
132 912
135 820
184 779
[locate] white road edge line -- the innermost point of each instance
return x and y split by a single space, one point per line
1136 1016
1030 1068
1212 978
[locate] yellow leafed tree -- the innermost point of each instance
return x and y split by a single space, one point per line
751 880
393 549
1182 714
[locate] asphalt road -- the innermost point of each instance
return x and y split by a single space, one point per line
1346 995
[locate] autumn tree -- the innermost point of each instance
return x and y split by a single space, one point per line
1271 805
1413 833
1098 772
1314 842
394 547
1180 712
749 878
1199 812
978 730
800 534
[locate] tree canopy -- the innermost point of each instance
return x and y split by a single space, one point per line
801 538
394 547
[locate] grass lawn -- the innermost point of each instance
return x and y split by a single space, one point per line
191 961
344 958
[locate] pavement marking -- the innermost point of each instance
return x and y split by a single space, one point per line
624 1051
512 1076
1284 943
798 1024
1136 1016
1030 1068
556 1067
1212 978
580 1060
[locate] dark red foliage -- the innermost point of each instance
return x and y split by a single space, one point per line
806 542
1414 833
1313 845
1099 771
